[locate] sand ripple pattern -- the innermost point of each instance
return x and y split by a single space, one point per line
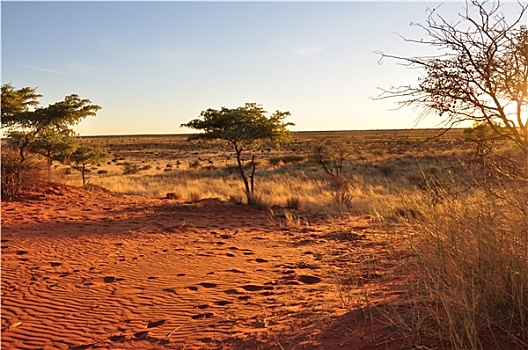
123 276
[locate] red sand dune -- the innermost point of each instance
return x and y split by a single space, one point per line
93 270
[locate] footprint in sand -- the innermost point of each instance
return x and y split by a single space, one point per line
252 287
153 324
307 279
232 291
117 338
208 285
202 316
83 347
112 279
141 335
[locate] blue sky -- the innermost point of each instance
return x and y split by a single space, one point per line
155 65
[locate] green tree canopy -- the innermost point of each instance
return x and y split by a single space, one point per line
54 145
61 115
243 127
85 155
16 103
25 120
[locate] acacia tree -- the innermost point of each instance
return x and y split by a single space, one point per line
54 145
480 74
22 116
85 155
43 130
243 128
17 102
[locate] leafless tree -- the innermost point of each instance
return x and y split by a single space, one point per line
480 72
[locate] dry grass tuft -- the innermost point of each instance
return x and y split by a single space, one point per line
472 264
294 203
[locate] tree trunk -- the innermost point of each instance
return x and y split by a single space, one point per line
83 170
242 174
49 165
22 149
252 176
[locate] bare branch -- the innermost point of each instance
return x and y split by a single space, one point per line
481 73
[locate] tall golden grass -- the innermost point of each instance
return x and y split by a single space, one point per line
309 187
472 267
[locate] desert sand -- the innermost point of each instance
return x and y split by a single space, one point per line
93 270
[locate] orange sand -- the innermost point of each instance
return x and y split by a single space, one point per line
93 270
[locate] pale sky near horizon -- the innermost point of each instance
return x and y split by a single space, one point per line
152 66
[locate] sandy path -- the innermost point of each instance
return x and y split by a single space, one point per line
83 270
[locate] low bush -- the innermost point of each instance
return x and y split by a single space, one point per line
19 176
194 196
294 203
340 187
286 159
130 169
194 164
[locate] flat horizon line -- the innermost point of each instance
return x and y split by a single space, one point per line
293 132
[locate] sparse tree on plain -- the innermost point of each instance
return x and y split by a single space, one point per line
331 156
480 73
21 115
85 155
244 128
39 130
54 145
